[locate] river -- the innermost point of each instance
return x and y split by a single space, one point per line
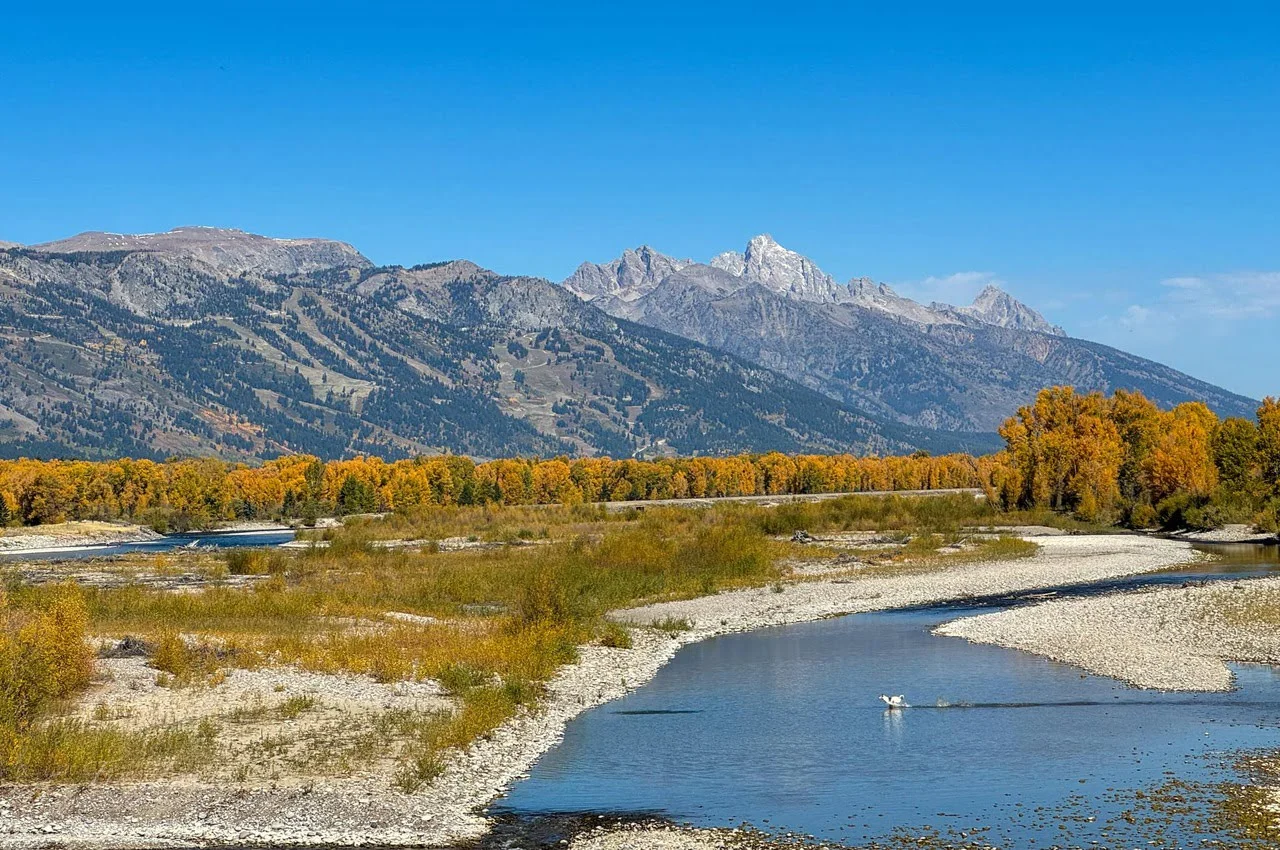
782 729
204 540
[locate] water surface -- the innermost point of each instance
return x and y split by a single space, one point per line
782 729
214 539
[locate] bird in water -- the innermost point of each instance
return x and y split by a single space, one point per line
898 701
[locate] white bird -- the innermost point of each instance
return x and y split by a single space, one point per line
898 701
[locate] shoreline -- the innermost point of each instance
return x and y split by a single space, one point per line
183 812
1171 639
81 536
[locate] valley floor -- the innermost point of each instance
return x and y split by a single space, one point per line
364 809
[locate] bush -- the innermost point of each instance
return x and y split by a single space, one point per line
460 678
44 656
255 562
44 659
1142 515
615 635
1181 510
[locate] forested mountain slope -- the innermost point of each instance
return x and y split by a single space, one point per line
205 341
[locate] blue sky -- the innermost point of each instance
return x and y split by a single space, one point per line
1116 169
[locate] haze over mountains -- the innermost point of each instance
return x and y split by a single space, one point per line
203 341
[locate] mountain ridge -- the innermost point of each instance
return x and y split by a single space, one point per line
212 342
789 273
937 366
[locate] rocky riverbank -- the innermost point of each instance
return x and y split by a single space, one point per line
71 535
1177 639
366 810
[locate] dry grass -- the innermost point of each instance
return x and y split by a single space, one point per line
495 625
491 626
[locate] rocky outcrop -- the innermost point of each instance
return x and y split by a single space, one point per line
994 306
627 278
935 366
783 271
233 253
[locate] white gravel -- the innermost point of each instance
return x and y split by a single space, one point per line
71 537
1175 639
1060 561
1236 533
354 812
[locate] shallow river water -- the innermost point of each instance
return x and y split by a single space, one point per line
204 540
782 729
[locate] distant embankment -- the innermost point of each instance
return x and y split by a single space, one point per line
976 492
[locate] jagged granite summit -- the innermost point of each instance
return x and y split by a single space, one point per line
769 264
994 306
937 365
627 278
204 341
766 263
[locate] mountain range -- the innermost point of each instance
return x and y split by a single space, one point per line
932 365
209 341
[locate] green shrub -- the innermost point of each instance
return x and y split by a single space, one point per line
615 635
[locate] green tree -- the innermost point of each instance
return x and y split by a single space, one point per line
355 497
1269 443
1235 453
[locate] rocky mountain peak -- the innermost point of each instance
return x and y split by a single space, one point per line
784 271
223 251
633 275
994 306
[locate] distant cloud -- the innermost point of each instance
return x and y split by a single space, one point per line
1214 302
1136 316
1232 296
958 289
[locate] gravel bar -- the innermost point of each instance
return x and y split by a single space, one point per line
1176 640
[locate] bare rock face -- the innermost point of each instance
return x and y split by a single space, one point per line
929 365
769 264
880 297
994 306
233 253
635 274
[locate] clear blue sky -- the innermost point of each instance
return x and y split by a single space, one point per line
1118 170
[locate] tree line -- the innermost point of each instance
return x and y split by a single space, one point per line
1118 459
196 493
1121 459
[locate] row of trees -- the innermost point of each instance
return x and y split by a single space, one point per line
1123 459
1111 459
184 494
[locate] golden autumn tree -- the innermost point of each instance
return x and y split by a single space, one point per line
1066 453
1269 444
1182 459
